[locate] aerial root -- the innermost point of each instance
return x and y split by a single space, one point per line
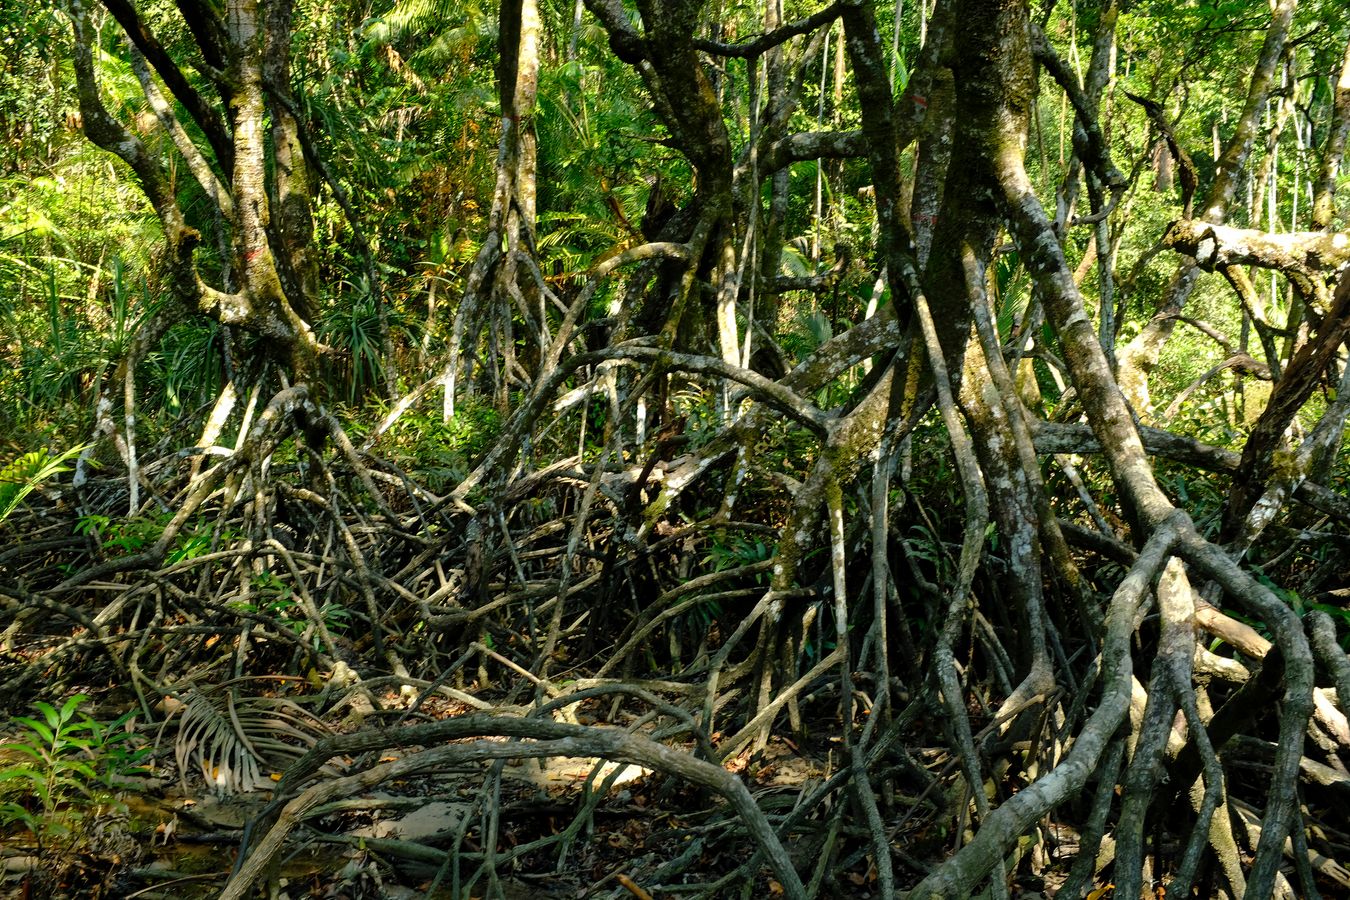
543 738
384 595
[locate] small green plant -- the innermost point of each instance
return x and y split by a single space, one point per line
63 767
130 536
275 598
23 476
444 452
134 535
734 551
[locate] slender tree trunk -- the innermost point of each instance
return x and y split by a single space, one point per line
293 187
494 279
1140 356
1324 193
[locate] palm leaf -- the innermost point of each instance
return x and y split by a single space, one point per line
237 744
21 477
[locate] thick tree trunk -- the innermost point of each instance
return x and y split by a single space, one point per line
270 254
997 97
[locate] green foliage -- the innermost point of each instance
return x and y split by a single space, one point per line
592 134
444 452
923 544
699 409
22 476
352 327
398 109
132 536
736 550
75 242
1210 415
64 342
184 372
1199 496
63 768
274 597
31 35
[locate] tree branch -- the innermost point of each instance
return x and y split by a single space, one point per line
1190 178
755 47
1094 152
1307 258
202 112
545 738
811 145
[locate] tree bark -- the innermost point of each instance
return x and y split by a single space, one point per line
277 307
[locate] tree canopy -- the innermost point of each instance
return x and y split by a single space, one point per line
897 447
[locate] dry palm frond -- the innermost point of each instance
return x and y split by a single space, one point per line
238 743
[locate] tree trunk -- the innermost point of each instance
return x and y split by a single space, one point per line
270 254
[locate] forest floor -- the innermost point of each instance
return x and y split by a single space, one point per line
376 702
169 835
